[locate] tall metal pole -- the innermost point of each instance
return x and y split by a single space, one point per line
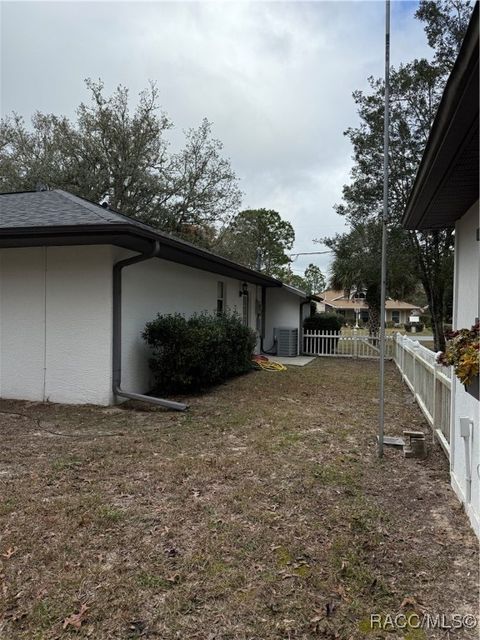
383 283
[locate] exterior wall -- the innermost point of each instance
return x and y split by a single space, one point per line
159 286
282 310
22 323
465 452
403 315
56 318
55 324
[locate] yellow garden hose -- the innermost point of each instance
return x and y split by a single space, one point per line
263 363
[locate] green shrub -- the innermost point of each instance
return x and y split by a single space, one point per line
418 326
324 322
198 352
426 318
390 324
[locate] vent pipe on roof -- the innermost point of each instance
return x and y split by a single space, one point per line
117 334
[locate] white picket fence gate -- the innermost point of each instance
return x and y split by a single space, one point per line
331 343
429 382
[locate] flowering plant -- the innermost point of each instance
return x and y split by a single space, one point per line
462 353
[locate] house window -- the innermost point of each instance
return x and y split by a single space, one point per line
396 317
220 297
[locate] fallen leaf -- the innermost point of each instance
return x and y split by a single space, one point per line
75 619
9 552
408 601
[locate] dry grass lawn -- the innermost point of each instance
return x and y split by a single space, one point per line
261 513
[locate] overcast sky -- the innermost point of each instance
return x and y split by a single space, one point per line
275 78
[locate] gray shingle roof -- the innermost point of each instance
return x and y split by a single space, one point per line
34 218
52 209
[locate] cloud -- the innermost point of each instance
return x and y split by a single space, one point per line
274 77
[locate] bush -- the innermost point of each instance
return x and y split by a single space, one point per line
198 352
426 318
324 322
390 324
418 326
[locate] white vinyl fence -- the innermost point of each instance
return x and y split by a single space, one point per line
331 343
429 382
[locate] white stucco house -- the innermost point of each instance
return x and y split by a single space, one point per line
79 281
445 194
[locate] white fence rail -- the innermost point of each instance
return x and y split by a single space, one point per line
429 382
331 343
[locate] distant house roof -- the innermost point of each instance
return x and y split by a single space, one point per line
38 218
337 300
446 185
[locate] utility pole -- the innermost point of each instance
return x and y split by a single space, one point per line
383 283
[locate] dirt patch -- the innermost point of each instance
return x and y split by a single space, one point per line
261 513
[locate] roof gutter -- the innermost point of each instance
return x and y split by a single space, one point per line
117 333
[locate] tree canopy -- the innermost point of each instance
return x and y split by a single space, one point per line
314 279
111 154
416 88
357 264
258 238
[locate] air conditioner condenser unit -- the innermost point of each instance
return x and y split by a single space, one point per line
287 341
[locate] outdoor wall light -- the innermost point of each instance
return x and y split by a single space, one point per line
244 290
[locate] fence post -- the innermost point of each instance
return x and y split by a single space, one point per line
355 343
414 351
434 416
402 355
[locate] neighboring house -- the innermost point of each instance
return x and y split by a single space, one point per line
445 194
71 321
351 306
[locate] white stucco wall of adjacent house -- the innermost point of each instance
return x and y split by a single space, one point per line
55 324
465 452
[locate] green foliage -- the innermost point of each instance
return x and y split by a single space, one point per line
294 280
444 26
357 263
314 279
286 275
418 326
323 322
426 319
121 157
198 352
416 89
258 237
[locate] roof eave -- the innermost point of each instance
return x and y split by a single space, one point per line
136 239
454 127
